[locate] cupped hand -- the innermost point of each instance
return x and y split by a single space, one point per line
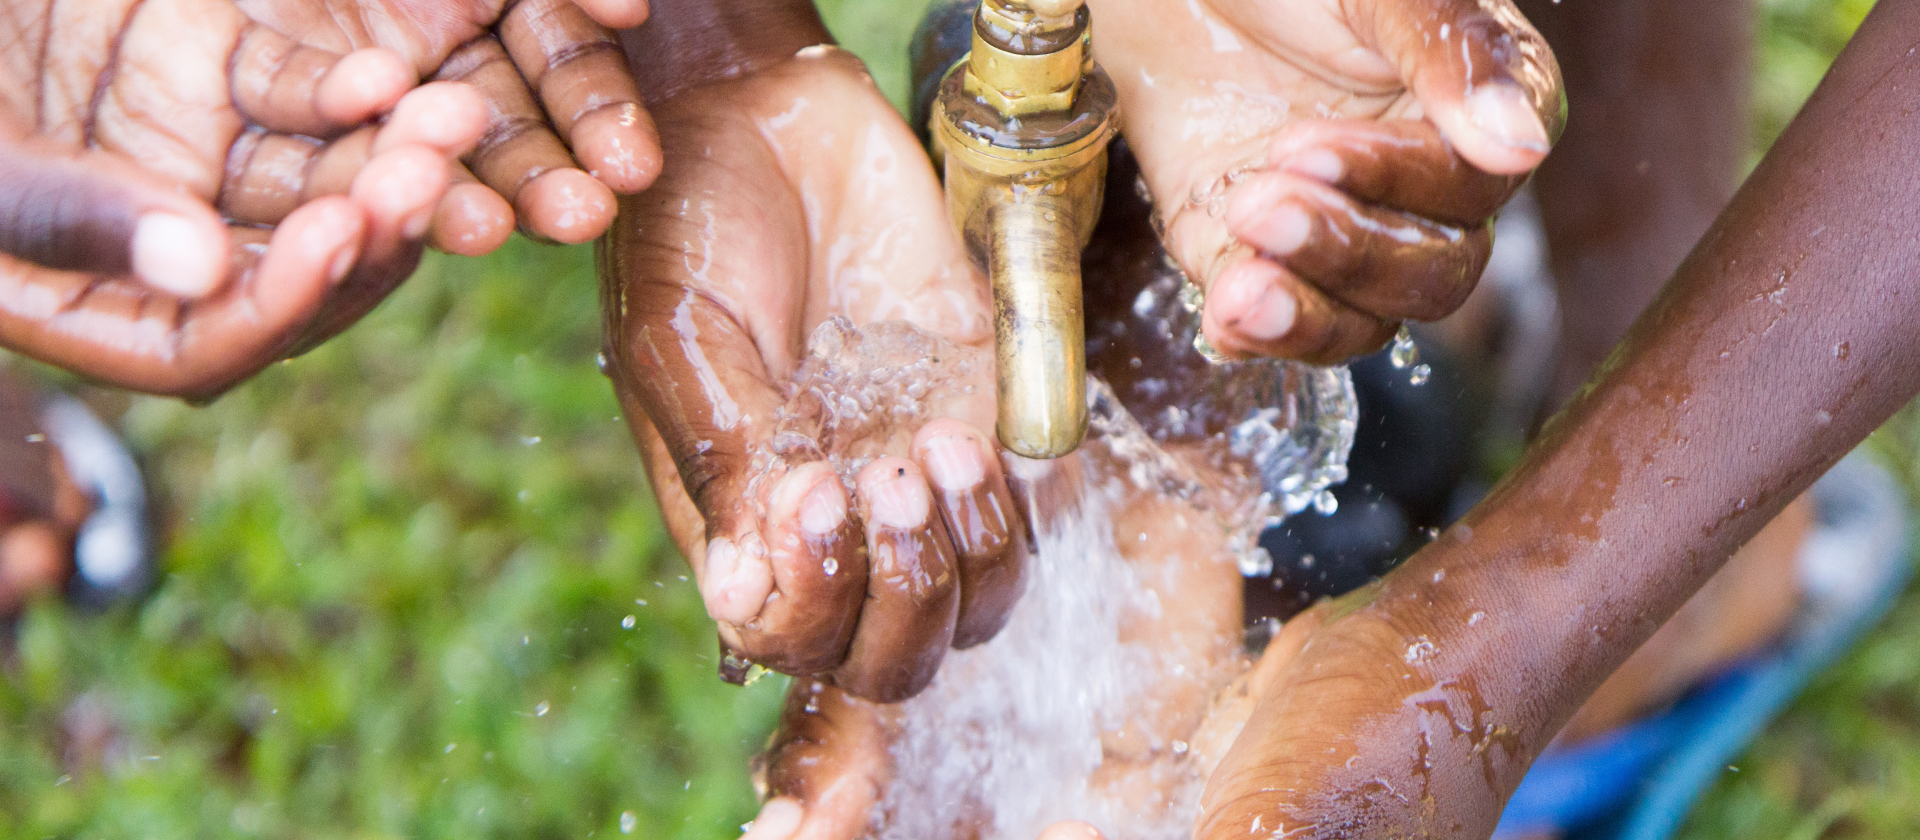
793 194
127 132
129 135
559 100
1326 168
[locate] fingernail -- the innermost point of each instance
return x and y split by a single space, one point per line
824 509
953 462
171 254
777 819
415 225
1503 112
1270 315
1283 230
733 586
1318 164
899 501
342 263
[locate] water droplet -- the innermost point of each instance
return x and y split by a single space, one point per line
530 440
1255 562
830 566
1420 374
600 361
1324 503
629 621
450 747
1179 747
540 709
1403 354
628 822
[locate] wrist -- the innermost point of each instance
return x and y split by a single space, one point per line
688 43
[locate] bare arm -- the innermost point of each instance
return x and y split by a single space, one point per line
1783 340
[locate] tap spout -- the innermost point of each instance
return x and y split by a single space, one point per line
1022 125
1039 324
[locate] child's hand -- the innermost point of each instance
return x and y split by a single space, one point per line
559 96
794 193
141 131
1326 168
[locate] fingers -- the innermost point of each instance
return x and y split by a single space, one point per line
398 191
913 595
471 220
520 158
1479 70
616 14
1402 164
268 174
117 331
975 504
93 212
1258 308
1383 262
287 87
700 380
826 767
819 577
580 73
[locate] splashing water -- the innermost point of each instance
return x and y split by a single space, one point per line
1403 354
1023 731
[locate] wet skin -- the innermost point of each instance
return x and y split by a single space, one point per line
1327 168
699 334
189 111
828 766
1782 341
793 193
829 763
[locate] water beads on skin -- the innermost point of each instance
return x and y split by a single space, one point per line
1011 735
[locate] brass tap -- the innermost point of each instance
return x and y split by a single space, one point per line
1023 123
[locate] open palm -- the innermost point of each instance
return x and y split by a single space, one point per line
793 195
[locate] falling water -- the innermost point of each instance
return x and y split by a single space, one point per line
1072 711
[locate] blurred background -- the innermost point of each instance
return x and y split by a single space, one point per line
414 585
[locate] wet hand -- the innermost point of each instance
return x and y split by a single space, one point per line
1327 168
136 141
794 194
565 130
127 146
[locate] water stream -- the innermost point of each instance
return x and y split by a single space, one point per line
1084 706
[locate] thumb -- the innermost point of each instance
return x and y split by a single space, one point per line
1483 74
92 212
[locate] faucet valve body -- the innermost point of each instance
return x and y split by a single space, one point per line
1022 126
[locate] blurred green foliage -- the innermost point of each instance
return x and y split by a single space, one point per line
400 572
415 587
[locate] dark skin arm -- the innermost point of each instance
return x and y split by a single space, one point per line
1780 344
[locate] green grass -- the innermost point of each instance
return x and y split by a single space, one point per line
399 571
399 568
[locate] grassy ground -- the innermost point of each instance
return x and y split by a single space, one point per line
415 587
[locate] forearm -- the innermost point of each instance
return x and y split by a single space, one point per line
1784 339
686 43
